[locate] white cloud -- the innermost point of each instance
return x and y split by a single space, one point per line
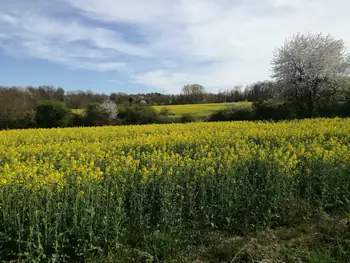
69 42
215 43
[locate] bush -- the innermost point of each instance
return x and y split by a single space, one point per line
335 109
273 111
166 112
187 117
51 114
233 113
138 114
99 114
76 120
345 109
26 121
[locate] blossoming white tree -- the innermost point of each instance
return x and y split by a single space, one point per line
310 68
109 108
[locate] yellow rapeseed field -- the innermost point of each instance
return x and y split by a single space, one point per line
95 187
199 110
37 158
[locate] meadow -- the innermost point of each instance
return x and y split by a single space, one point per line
140 193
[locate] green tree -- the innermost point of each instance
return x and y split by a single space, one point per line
51 114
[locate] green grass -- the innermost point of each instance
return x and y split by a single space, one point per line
198 110
325 240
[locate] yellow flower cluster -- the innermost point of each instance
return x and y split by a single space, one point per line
44 158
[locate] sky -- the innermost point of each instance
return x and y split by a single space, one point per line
139 46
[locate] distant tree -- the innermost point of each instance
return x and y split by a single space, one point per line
138 114
93 115
165 112
187 118
52 114
194 93
59 95
237 94
104 113
109 108
310 69
261 91
12 105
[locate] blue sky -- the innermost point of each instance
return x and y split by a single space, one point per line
155 45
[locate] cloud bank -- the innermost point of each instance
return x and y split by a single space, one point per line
166 44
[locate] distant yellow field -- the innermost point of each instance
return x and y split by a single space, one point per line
78 111
199 110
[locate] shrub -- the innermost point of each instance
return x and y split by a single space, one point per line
166 112
187 117
50 114
26 121
138 114
345 109
332 110
99 114
270 110
233 113
76 120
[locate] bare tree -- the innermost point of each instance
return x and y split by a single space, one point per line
194 93
165 111
310 68
12 104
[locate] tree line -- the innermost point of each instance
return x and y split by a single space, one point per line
310 79
18 105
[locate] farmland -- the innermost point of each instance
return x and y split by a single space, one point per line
80 193
198 110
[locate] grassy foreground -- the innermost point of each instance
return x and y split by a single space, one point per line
146 193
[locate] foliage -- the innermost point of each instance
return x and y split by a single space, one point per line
26 121
194 93
99 114
261 91
187 117
240 112
77 120
138 114
109 108
165 111
52 114
272 110
310 69
12 106
79 194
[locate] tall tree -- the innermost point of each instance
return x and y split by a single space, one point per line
310 69
12 104
194 93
